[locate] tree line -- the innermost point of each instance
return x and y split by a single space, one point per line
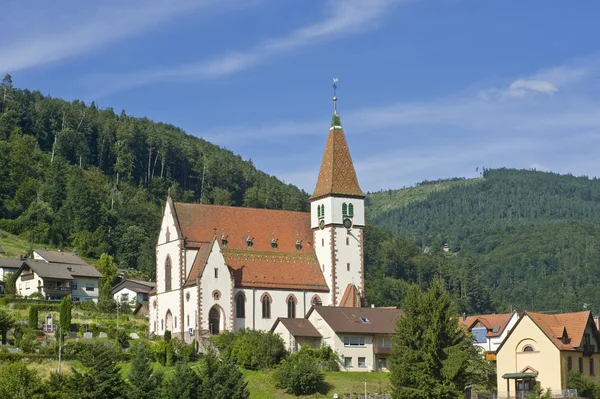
76 175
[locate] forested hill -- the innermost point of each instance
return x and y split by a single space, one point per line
533 236
75 175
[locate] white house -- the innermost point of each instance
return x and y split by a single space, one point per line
57 280
132 290
490 330
297 333
9 266
225 268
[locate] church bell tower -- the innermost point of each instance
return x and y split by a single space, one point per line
338 219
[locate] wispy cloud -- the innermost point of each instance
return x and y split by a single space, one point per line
408 142
341 17
41 35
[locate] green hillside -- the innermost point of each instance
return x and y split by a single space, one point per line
74 175
533 237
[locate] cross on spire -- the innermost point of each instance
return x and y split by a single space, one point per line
335 80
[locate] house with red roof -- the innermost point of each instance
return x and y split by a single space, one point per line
541 350
225 268
489 330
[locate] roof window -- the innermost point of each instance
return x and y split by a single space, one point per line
223 240
364 320
298 245
274 243
496 329
249 242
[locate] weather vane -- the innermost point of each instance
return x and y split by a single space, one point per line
335 80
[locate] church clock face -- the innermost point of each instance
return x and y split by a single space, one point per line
322 224
347 223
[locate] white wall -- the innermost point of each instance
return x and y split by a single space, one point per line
81 293
28 287
190 312
223 283
293 344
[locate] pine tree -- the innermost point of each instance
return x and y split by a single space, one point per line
430 352
65 314
33 317
143 382
102 380
184 383
6 322
222 379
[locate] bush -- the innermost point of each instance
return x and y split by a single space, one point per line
585 386
325 357
167 336
257 349
33 317
159 350
299 374
88 306
122 339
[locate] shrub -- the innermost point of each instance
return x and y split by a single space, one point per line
257 349
159 350
585 386
33 317
122 339
325 357
299 374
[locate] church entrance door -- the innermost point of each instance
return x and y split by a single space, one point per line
214 320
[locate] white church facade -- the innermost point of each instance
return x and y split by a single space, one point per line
225 268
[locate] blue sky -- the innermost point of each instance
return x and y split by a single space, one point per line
428 88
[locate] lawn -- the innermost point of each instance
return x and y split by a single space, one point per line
262 386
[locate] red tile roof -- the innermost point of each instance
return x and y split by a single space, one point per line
263 265
554 326
490 321
337 174
351 297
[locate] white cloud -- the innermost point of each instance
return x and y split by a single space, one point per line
520 87
342 17
69 27
404 143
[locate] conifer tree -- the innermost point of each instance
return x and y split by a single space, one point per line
33 317
430 352
221 379
143 382
184 383
65 314
102 380
6 323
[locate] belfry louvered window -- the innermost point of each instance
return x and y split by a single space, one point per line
350 210
344 209
319 211
322 211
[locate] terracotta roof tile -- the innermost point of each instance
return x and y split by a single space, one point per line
298 327
262 265
554 325
351 297
490 321
337 174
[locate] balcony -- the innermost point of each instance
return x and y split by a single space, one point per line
382 350
589 349
57 291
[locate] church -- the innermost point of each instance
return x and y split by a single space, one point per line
224 268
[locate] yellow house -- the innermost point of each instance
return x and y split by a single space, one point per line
541 349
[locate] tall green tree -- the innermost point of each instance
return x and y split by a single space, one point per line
143 382
222 379
101 379
33 317
430 352
65 308
109 270
184 383
6 322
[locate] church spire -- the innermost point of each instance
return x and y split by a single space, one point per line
337 175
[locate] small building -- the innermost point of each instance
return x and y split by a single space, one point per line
132 290
489 330
541 349
9 266
362 337
297 333
57 280
142 309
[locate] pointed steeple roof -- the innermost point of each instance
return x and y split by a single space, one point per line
337 175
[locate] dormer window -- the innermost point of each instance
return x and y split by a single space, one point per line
298 245
223 240
249 242
273 243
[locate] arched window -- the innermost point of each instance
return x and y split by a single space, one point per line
344 209
322 211
528 348
291 307
240 305
266 306
319 211
168 274
316 301
350 210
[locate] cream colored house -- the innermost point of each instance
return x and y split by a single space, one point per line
541 349
57 280
362 337
297 334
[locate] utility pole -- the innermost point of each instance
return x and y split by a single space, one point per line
59 348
